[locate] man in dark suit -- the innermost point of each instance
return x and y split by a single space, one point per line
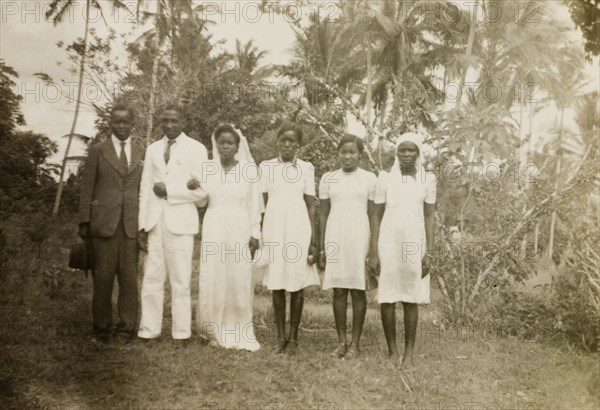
108 213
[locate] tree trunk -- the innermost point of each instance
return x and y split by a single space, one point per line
530 130
77 105
559 155
468 53
463 274
522 155
154 81
381 129
528 182
535 237
521 134
369 97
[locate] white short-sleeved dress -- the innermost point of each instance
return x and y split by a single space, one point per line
347 233
286 226
402 242
226 291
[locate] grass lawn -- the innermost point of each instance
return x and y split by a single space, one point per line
47 361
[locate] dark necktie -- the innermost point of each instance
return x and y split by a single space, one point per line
168 150
123 157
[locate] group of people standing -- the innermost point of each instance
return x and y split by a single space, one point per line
261 224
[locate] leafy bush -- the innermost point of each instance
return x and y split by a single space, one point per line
568 312
27 182
523 315
577 290
576 317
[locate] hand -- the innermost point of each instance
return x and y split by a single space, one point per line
193 184
426 264
373 264
312 254
143 241
253 245
322 260
160 190
84 230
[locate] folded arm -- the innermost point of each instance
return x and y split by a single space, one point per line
178 191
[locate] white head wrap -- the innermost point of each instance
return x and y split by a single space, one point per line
243 154
415 139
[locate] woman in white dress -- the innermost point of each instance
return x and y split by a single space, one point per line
289 235
230 234
402 242
346 207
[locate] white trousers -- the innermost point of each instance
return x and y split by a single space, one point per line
168 254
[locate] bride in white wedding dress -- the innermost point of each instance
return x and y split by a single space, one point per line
230 234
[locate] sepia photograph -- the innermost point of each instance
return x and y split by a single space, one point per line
300 204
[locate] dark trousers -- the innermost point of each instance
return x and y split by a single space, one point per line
115 256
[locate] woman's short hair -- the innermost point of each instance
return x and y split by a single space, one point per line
290 126
352 139
223 128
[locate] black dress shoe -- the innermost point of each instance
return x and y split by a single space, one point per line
102 337
124 337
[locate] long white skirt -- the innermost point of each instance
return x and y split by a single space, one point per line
226 290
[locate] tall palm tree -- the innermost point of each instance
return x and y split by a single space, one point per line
56 12
406 48
522 57
388 43
166 19
319 58
564 93
357 26
468 52
247 56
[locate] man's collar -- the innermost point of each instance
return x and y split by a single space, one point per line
176 139
117 141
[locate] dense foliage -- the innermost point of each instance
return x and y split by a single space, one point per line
586 14
506 206
26 184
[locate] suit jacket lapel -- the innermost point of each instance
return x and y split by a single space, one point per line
137 153
109 153
177 150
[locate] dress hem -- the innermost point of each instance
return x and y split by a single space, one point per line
405 301
295 290
345 287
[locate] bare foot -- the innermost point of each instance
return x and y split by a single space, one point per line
394 358
292 347
407 361
280 346
339 351
352 352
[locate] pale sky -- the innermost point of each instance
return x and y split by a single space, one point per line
28 44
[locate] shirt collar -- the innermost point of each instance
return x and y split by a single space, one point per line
117 141
176 139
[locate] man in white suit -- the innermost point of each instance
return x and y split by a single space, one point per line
168 221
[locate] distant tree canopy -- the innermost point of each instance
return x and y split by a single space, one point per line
211 86
586 15
10 103
26 179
